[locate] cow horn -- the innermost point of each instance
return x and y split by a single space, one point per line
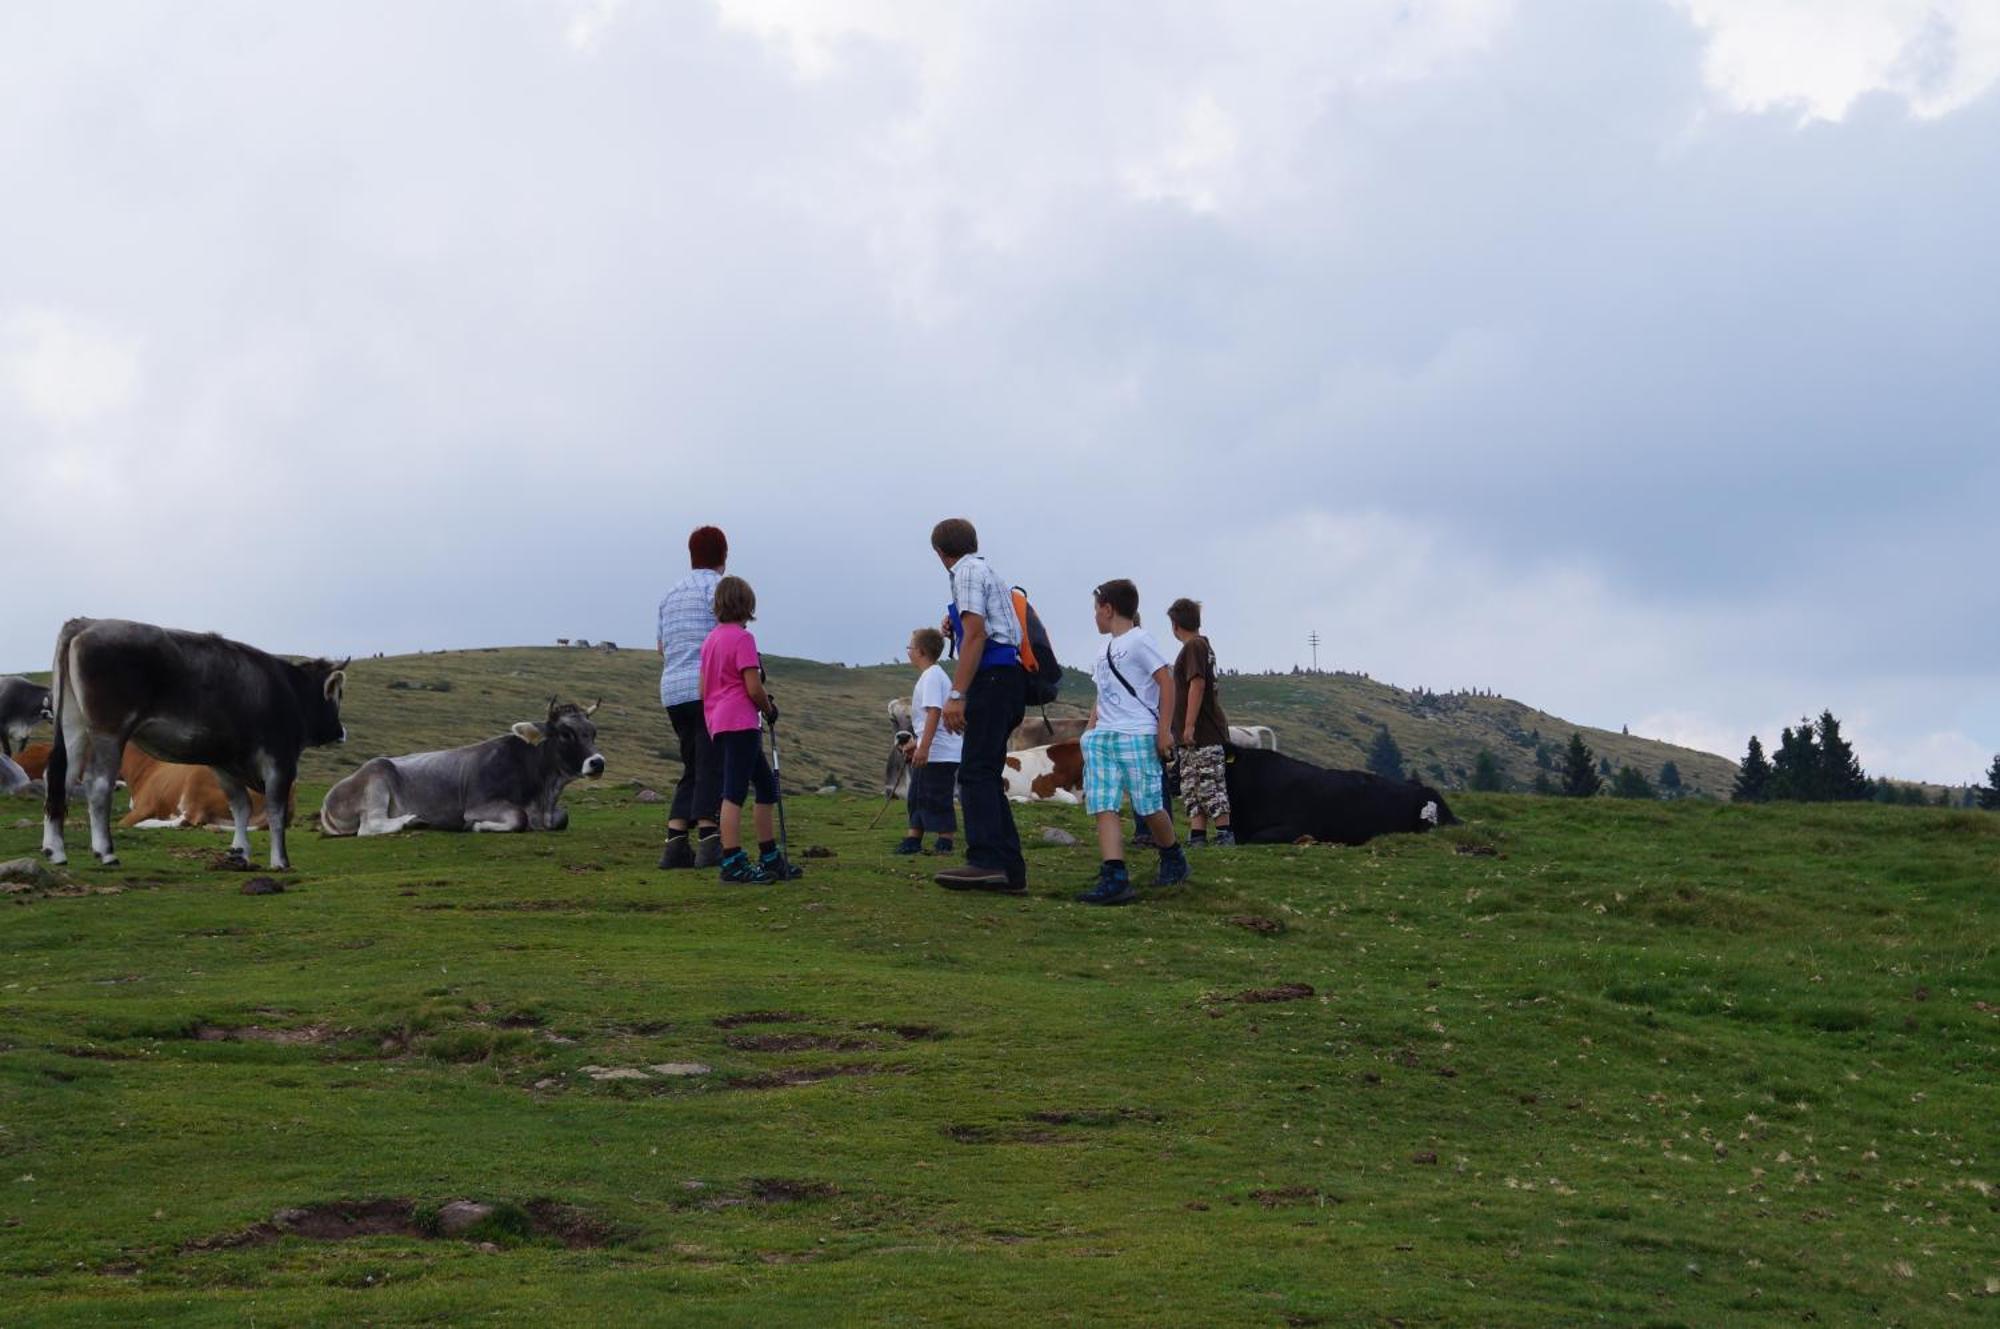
341 668
592 708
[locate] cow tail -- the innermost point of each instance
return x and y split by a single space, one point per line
56 802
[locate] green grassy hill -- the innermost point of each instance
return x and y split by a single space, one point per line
1663 1064
834 721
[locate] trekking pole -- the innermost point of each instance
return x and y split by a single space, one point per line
876 820
778 783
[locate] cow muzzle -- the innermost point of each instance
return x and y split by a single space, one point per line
593 766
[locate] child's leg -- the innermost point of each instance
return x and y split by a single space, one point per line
1110 836
731 749
1162 827
765 833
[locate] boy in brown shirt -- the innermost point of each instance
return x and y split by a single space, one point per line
1199 729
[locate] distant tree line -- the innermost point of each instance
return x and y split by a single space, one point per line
1815 764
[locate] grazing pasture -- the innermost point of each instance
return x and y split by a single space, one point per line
1605 1062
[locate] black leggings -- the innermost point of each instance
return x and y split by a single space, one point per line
743 765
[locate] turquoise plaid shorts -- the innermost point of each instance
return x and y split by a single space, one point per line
1115 765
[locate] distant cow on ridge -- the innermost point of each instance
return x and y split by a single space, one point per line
187 697
509 783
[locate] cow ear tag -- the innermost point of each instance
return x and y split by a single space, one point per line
528 732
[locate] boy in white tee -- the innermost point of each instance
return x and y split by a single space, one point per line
1130 735
933 751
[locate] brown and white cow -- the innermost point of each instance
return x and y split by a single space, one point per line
165 794
1046 774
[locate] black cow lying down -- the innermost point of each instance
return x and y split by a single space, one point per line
1275 799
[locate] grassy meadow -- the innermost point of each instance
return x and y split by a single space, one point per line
1617 1063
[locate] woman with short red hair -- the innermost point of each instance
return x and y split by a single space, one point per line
687 616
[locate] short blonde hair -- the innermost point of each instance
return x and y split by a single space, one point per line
928 641
735 602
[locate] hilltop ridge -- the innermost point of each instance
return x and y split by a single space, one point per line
834 722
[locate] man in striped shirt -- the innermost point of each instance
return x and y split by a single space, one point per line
987 699
687 616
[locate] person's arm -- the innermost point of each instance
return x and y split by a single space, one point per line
1197 686
1163 679
969 651
753 683
922 755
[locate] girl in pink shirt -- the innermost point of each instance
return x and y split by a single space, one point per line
734 702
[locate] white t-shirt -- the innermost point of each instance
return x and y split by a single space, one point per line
1137 657
933 686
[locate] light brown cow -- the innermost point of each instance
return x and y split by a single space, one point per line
1055 772
164 794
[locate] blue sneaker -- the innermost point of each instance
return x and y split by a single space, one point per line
1114 886
776 867
909 845
738 870
1174 867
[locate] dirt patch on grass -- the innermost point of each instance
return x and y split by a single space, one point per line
1093 1116
257 1033
1282 1197
1268 927
1282 992
348 1220
799 1043
759 1017
797 1075
1009 1134
790 1190
914 1033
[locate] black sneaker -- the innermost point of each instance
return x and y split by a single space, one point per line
1114 886
910 845
1174 867
738 870
708 851
1224 838
943 846
678 853
776 867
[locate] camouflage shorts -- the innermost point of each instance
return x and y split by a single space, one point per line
1204 788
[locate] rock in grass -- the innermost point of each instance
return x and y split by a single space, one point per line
1057 835
647 796
30 872
679 1068
460 1216
263 886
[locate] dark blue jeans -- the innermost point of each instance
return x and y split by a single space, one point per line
993 709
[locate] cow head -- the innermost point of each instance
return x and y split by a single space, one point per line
568 737
896 775
24 721
320 697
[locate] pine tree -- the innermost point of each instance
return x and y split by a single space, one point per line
1385 758
1840 777
1989 797
1670 780
1580 778
1795 767
1486 774
1753 777
1543 785
1630 784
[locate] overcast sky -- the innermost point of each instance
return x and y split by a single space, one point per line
1634 358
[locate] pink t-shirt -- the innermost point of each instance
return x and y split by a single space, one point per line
725 702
